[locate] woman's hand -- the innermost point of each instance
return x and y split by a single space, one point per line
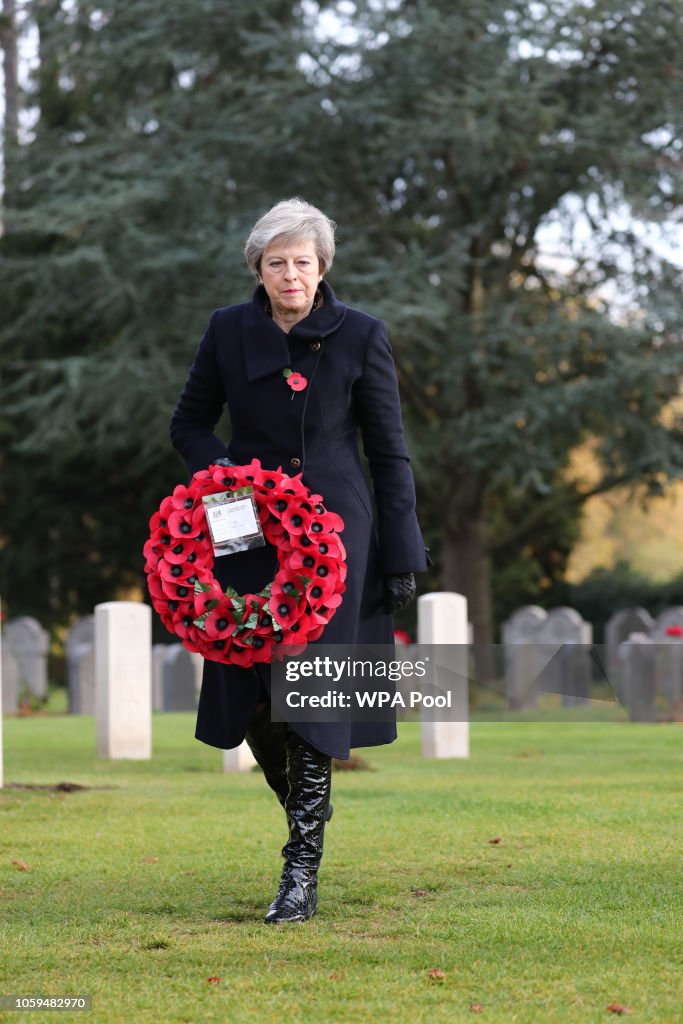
399 591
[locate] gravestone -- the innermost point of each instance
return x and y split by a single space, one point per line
637 677
565 641
82 679
80 670
238 759
10 681
28 642
522 658
123 679
619 628
442 625
180 678
158 655
669 654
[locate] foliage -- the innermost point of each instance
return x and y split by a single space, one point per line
607 590
443 138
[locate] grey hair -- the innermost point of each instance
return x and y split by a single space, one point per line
291 221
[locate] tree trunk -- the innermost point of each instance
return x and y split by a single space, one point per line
8 38
467 571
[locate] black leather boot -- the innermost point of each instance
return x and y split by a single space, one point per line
310 779
266 740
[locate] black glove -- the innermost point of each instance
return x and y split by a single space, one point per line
223 462
399 591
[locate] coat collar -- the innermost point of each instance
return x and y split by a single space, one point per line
265 345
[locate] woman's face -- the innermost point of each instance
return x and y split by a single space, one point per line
290 275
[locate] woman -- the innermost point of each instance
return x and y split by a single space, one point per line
294 321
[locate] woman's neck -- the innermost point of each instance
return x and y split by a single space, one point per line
286 321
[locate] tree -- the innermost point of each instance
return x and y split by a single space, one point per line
135 195
458 132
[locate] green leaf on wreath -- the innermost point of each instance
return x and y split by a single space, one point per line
251 622
201 588
231 592
202 618
238 605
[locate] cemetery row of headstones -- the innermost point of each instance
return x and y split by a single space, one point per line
176 672
643 661
123 680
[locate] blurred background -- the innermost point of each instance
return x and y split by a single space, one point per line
506 178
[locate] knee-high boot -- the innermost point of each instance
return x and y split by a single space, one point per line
266 741
310 778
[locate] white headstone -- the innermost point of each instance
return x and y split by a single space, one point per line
123 679
28 642
239 759
442 622
80 685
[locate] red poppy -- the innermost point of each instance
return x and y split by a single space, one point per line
203 599
284 609
320 591
295 380
186 550
182 498
325 522
295 519
219 624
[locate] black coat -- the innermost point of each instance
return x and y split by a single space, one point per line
346 357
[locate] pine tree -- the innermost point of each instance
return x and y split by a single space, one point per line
459 130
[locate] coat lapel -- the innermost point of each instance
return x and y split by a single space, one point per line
265 346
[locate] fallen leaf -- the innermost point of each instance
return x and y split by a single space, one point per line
496 840
476 1007
150 860
618 1008
20 864
420 892
333 976
213 980
435 974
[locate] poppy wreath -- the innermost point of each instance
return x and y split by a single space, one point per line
240 629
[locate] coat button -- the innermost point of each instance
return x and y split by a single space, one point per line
314 346
296 463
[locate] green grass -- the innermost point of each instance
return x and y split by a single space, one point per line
577 906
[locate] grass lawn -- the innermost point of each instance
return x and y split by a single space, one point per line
156 879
